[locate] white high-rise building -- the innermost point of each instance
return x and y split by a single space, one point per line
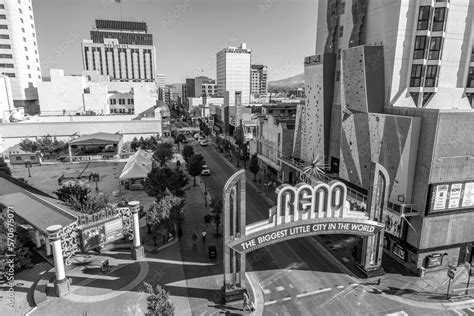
121 49
19 57
233 73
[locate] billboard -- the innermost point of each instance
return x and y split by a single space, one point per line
392 222
451 196
101 233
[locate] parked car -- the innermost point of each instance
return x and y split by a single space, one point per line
203 143
205 171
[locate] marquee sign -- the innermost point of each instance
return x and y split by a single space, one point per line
305 210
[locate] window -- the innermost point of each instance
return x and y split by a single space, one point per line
435 48
3 17
2 6
339 54
33 34
31 17
470 78
6 55
6 65
34 43
23 29
27 58
341 31
3 27
26 49
4 36
343 8
39 77
28 66
424 18
21 20
399 252
18 158
24 39
416 74
32 26
5 46
29 75
420 45
431 75
20 10
9 74
439 19
36 52
38 68
338 75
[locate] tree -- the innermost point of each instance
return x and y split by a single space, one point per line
195 166
28 145
254 166
160 179
4 167
216 207
188 152
72 193
158 303
163 153
179 139
167 209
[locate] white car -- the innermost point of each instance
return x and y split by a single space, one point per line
205 171
203 143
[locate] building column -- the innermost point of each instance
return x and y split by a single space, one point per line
61 285
37 239
70 152
137 249
48 247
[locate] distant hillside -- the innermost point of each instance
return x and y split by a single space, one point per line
291 83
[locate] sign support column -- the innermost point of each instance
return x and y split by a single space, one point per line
138 252
61 285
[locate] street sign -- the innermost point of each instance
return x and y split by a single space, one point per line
451 274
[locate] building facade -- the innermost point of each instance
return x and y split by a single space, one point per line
19 57
233 73
123 50
390 84
258 80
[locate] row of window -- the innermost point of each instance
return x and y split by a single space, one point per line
129 111
120 101
429 73
425 16
470 78
6 65
434 48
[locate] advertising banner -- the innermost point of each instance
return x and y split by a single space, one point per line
392 222
440 197
468 198
455 195
451 196
101 233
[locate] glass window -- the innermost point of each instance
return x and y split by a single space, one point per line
470 78
416 74
431 75
27 58
6 55
3 27
4 36
18 158
20 10
424 18
28 66
435 48
24 39
26 49
5 46
23 29
6 65
439 19
343 8
29 75
3 16
2 6
33 34
420 46
9 74
341 31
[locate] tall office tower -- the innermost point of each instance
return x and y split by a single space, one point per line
233 73
19 58
199 86
123 50
390 88
258 80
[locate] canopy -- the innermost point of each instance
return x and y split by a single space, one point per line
177 157
134 171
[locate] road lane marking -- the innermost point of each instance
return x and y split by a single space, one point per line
345 259
313 292
340 287
286 299
291 286
269 303
458 312
280 288
266 291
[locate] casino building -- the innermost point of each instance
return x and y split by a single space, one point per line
392 82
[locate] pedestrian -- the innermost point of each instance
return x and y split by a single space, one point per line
180 232
204 234
245 303
90 177
154 241
379 281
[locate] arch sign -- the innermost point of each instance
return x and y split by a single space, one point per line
301 210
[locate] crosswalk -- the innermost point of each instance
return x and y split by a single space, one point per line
464 312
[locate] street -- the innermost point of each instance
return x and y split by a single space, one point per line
296 276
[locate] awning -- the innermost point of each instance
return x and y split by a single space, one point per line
134 171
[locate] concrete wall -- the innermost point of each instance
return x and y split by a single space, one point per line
440 231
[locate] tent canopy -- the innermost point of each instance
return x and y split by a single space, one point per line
134 171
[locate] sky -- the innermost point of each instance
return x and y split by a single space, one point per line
187 33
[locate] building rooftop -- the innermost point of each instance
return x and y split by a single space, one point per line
121 25
97 138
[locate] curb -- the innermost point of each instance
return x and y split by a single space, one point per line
256 293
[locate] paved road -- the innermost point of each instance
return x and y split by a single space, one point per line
296 277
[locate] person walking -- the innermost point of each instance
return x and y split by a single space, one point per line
203 234
195 237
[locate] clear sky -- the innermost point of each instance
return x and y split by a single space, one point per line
187 33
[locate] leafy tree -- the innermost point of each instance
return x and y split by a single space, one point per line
254 166
28 145
167 209
179 139
188 152
216 207
158 303
160 179
72 194
4 167
163 153
195 166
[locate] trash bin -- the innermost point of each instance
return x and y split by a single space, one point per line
212 252
421 272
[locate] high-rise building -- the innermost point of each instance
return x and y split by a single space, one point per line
390 88
233 73
123 50
258 80
199 86
160 80
19 57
